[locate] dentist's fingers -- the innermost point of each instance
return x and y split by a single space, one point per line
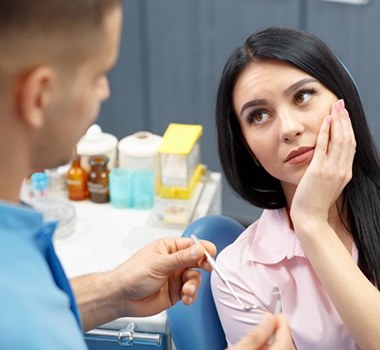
191 282
183 253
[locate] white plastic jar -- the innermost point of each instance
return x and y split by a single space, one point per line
97 143
140 151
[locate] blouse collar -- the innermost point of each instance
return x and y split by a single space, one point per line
274 240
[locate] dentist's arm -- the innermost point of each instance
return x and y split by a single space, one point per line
152 280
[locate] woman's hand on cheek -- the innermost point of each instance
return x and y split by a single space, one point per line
329 171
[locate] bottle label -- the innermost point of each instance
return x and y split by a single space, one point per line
71 182
97 188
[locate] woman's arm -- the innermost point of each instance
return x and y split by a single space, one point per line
235 320
353 295
312 212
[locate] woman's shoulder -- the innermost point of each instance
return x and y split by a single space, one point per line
245 237
271 228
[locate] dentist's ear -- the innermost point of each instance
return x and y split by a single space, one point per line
34 95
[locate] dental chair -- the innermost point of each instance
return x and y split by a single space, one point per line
197 327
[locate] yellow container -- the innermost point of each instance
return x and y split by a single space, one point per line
179 159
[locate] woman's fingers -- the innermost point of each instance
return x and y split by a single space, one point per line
330 169
335 144
323 137
342 144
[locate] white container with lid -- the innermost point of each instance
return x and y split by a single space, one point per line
140 151
96 142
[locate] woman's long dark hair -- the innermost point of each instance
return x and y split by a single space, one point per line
361 196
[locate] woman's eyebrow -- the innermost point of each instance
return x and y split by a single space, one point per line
252 104
288 91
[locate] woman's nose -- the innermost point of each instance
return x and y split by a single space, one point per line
291 125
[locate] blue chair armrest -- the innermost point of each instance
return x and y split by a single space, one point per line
198 326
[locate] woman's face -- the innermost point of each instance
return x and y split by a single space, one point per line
280 109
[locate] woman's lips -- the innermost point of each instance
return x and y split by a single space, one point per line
300 155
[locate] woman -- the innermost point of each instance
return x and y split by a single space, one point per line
293 139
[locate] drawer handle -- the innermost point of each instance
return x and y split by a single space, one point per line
125 337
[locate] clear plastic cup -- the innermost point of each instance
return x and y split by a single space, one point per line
143 189
120 182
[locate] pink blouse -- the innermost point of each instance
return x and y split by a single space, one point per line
266 264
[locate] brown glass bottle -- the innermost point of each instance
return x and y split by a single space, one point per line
76 179
98 181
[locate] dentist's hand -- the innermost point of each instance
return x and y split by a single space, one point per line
161 274
153 279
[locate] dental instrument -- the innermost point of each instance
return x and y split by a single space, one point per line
217 269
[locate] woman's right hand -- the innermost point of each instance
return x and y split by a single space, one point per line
329 171
272 333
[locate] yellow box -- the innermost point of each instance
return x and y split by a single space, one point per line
179 159
183 192
180 138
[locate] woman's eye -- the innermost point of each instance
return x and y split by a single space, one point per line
303 96
257 117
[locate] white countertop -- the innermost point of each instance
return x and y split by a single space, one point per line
105 236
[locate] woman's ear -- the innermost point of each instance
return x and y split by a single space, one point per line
35 90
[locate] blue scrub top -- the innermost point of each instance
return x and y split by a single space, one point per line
37 306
